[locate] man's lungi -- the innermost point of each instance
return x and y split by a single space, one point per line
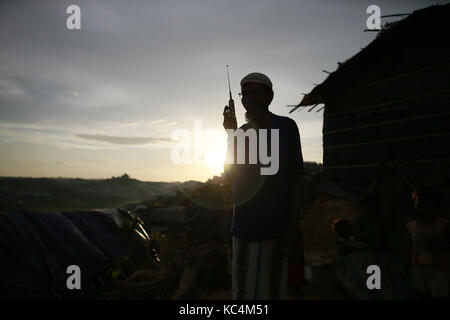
259 270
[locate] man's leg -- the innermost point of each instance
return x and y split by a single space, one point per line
259 270
244 269
272 268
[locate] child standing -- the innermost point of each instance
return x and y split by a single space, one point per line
430 256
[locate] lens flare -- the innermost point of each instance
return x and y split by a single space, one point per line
215 156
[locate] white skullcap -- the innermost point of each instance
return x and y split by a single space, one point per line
257 77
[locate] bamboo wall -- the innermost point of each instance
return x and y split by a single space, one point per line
403 121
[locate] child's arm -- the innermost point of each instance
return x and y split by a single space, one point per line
446 233
409 245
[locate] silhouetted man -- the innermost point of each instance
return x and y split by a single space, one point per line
266 208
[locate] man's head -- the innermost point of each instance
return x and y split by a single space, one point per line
256 93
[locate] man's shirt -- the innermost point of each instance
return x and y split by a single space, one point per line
262 203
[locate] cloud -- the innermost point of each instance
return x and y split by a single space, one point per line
130 124
10 88
162 123
122 140
159 121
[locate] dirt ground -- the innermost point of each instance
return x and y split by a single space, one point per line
319 243
324 287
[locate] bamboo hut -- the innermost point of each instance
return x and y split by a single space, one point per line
389 105
386 128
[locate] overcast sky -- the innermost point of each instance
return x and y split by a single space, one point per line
105 100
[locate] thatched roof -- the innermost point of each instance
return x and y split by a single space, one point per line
420 41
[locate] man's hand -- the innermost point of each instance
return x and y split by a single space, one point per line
229 122
229 119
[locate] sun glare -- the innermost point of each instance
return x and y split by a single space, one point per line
215 156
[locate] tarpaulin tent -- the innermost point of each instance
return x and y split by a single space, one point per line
36 248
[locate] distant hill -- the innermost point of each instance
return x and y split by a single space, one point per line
65 194
55 194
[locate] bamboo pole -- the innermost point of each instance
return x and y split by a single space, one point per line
379 124
387 162
386 140
388 103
